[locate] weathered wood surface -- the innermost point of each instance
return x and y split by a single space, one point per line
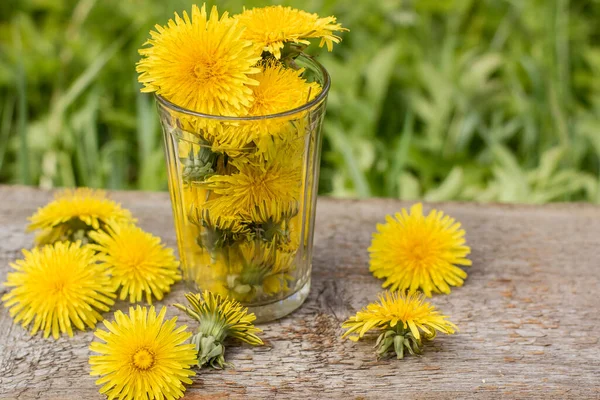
529 313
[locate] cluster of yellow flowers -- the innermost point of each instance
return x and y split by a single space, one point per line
89 252
233 65
413 253
240 181
84 225
141 356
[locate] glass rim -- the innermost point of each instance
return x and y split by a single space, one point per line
306 106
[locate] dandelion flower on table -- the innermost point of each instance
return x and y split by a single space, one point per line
74 213
402 321
142 356
139 263
270 28
218 318
200 63
413 251
56 287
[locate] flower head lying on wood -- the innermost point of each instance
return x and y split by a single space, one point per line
74 213
402 320
416 252
58 286
141 356
139 263
218 318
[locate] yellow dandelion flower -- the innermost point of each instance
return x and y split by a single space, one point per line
214 229
218 318
137 260
74 213
234 138
269 28
262 271
58 286
141 356
200 63
281 89
256 191
288 143
210 216
402 321
412 251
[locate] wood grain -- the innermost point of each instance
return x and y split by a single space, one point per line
529 313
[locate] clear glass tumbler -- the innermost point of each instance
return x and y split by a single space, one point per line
244 213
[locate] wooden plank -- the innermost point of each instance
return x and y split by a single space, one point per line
528 314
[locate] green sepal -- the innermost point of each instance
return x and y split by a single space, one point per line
210 351
213 238
72 230
197 167
397 340
290 52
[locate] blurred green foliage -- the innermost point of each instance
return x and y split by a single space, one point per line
485 100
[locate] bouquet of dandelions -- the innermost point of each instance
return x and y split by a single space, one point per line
241 108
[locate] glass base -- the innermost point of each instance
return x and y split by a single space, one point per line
281 308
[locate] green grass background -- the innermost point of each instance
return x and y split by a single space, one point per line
484 100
